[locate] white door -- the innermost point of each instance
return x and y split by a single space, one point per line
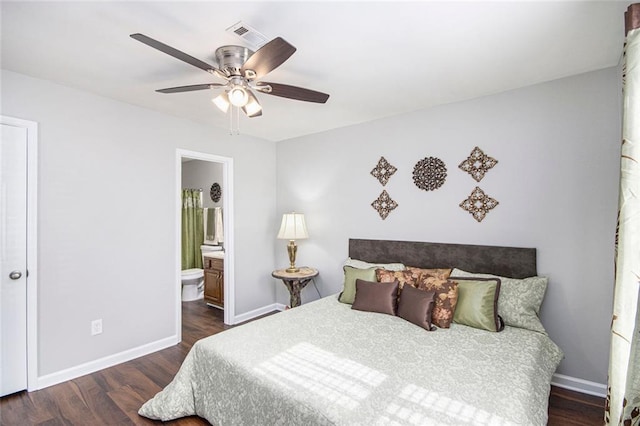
13 262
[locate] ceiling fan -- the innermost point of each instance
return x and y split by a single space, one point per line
241 68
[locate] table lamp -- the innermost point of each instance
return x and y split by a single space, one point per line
292 228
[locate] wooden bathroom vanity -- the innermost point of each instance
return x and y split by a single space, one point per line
214 281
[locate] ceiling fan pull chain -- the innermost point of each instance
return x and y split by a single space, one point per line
234 128
237 120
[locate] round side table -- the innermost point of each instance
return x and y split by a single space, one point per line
296 281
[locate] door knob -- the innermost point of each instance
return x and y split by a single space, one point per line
15 275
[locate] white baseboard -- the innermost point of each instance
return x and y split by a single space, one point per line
128 355
257 312
106 362
579 385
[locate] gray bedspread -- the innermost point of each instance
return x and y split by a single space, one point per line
325 364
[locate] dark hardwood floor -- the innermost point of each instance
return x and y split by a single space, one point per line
114 395
573 408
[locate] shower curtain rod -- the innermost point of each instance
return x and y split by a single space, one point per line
193 189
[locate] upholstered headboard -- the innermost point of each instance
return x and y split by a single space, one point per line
511 262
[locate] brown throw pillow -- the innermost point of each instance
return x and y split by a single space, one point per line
403 277
376 297
445 301
416 306
441 274
446 293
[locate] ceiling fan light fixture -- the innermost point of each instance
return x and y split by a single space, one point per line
238 96
253 108
222 102
240 67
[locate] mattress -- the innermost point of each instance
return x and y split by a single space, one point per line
325 364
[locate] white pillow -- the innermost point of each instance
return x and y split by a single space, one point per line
359 264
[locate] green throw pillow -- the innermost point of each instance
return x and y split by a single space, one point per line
520 299
478 303
348 294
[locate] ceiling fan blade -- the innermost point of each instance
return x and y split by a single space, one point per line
294 92
252 108
175 53
190 88
267 58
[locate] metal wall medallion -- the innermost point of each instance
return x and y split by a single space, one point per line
383 171
478 164
429 173
478 204
215 193
384 204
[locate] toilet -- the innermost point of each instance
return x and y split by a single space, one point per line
193 279
192 284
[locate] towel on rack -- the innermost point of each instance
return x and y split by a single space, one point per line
213 226
218 236
209 225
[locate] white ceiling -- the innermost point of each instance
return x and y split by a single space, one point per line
375 59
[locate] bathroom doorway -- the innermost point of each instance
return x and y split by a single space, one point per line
223 172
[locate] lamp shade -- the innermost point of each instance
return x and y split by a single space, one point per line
238 96
222 102
293 227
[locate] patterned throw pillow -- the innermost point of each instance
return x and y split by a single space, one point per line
446 293
430 276
445 300
519 301
403 277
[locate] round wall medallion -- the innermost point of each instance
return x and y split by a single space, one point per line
429 173
215 193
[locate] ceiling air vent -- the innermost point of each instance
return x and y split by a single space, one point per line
250 35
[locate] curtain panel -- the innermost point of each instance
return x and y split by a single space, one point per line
192 228
623 396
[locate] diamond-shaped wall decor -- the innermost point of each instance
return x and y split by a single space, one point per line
477 164
383 171
478 204
384 204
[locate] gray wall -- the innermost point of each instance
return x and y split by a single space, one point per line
202 174
556 181
110 167
107 218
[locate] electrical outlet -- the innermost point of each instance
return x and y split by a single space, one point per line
96 327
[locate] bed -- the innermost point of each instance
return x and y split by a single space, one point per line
324 363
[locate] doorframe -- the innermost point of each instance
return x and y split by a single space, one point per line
32 245
227 208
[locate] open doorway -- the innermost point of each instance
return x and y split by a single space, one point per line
224 167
